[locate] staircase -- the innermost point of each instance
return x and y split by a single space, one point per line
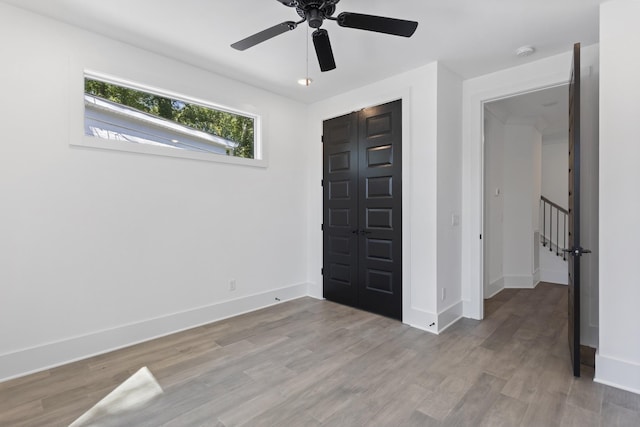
553 238
554 226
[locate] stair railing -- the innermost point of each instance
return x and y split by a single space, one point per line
552 216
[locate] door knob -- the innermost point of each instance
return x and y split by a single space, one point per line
577 251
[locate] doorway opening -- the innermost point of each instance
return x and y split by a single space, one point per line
525 190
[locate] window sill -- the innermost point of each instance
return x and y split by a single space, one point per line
130 147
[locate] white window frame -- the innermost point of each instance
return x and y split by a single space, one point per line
89 141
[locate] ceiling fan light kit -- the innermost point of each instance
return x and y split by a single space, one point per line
314 12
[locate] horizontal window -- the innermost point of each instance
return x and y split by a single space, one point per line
129 114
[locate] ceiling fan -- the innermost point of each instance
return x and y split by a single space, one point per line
315 12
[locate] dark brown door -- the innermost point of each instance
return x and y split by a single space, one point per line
575 249
363 209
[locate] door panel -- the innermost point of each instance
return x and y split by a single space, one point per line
574 213
362 209
340 216
380 144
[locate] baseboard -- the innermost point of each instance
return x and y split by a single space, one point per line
554 276
420 319
435 323
35 359
519 282
536 277
471 310
494 288
617 373
449 316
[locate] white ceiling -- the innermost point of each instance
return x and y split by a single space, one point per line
471 37
547 110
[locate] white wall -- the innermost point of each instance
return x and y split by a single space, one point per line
424 134
449 203
536 182
618 358
521 143
100 249
555 161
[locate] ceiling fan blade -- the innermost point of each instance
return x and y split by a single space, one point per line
264 35
379 24
323 50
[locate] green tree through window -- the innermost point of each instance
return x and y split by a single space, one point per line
234 127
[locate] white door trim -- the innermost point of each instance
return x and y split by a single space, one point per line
548 72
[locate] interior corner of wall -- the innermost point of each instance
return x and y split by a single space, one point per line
420 319
449 316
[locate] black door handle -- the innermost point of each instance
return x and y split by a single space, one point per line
577 251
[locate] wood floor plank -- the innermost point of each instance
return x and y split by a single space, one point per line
586 394
439 403
476 402
505 412
621 398
503 334
316 363
618 416
399 408
21 413
546 409
575 416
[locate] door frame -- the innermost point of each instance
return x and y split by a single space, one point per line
546 73
364 299
486 191
404 95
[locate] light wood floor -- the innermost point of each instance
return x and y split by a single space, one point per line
312 363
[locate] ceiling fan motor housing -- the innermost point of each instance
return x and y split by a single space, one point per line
315 11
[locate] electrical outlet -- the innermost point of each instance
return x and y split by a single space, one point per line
232 285
444 294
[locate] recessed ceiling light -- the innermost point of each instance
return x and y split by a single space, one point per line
305 82
524 51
